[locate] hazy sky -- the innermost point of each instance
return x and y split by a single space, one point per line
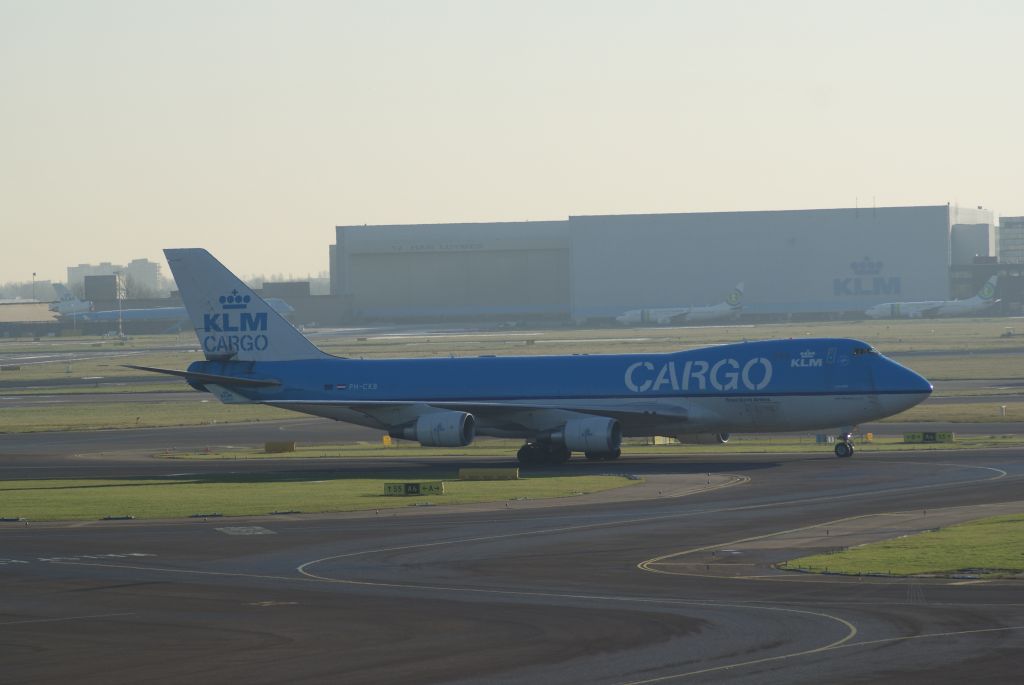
253 128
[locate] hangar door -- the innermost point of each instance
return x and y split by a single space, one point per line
490 282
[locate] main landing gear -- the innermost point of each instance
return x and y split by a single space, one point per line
553 454
603 456
543 453
844 446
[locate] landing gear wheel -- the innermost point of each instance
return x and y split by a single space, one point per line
594 456
604 456
536 454
530 454
613 455
844 449
559 454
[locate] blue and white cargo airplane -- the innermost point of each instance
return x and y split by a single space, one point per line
557 404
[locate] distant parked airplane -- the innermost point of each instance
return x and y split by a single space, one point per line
731 307
985 299
557 404
70 307
67 303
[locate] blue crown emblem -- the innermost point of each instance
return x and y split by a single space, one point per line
234 300
866 267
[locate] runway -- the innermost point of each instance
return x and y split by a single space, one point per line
569 593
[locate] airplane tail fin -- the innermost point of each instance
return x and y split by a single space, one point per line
988 291
62 292
67 302
231 321
735 298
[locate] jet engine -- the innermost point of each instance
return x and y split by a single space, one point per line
595 434
703 438
440 429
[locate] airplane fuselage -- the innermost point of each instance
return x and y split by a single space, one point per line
747 387
984 300
166 314
919 310
667 315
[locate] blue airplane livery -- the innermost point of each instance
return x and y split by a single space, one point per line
556 404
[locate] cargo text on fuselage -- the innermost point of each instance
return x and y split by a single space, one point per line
723 375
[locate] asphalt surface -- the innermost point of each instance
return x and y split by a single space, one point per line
507 593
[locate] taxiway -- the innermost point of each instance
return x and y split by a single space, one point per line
664 589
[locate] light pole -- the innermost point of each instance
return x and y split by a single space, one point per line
33 285
120 297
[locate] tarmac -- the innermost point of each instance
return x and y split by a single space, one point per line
670 581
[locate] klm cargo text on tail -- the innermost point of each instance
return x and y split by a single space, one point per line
234 320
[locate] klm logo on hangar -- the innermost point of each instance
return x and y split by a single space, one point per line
867 280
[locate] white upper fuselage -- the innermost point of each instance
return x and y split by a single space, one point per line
918 310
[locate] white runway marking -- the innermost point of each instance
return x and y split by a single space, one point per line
246 530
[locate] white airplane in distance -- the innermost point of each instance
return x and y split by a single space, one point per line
67 303
730 308
985 299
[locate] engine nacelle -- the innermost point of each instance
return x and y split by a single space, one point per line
703 438
595 434
440 429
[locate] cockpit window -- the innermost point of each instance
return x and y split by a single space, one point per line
858 351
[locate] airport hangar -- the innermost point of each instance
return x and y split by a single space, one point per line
595 267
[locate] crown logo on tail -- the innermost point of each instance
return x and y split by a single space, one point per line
234 300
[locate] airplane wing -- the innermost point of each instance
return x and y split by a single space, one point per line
632 416
508 414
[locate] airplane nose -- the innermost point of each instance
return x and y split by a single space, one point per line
909 381
903 388
919 383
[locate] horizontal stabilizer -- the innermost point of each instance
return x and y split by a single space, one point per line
211 378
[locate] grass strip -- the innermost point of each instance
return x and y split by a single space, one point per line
990 547
108 415
258 494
